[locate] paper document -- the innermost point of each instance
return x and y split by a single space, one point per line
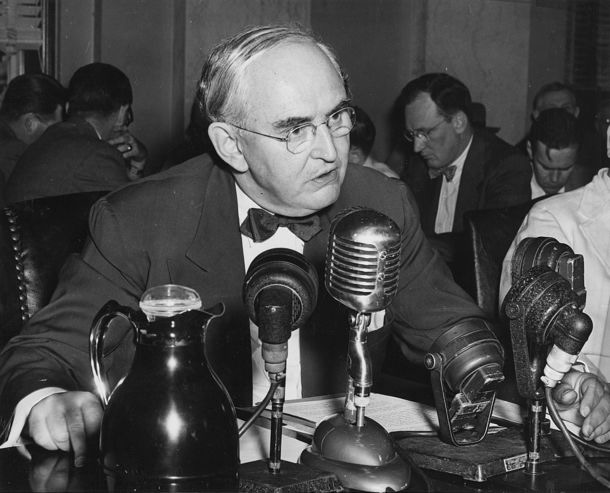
393 413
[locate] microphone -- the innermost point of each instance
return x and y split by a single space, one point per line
362 268
363 260
466 363
280 293
544 307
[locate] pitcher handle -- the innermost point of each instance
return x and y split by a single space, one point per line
96 344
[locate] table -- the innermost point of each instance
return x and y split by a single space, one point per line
53 471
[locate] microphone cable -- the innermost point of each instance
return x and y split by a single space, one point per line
572 438
260 408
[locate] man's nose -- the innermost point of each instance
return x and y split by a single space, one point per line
418 143
324 144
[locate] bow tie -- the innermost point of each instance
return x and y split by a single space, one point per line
448 171
260 225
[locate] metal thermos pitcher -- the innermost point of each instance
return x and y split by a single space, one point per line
169 424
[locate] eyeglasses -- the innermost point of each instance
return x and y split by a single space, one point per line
298 138
422 133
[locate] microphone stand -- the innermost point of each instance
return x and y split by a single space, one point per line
359 370
357 449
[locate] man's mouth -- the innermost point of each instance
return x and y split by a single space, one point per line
326 177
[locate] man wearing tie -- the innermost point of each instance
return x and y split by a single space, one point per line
457 168
280 115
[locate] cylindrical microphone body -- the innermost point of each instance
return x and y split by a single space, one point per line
280 293
363 260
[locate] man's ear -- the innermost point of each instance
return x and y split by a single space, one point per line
30 123
577 111
227 146
528 146
459 122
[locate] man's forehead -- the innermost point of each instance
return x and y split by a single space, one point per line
555 158
295 79
556 99
421 112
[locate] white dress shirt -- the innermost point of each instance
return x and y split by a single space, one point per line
449 193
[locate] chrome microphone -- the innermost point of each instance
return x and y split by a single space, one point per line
362 267
363 260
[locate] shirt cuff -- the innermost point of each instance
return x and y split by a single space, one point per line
22 411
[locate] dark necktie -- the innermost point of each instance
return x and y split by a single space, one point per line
448 171
260 225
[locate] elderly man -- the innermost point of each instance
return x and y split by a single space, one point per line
457 168
280 118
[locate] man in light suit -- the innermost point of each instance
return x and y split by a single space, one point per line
458 168
278 103
581 219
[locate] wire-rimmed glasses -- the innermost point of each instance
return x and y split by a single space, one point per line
298 138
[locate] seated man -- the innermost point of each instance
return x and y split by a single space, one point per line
361 140
580 219
31 103
552 147
90 152
559 95
458 168
279 106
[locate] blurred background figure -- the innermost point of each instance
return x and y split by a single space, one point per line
561 96
194 142
93 150
555 95
31 103
362 138
601 124
552 147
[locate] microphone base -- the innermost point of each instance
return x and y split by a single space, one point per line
364 459
255 477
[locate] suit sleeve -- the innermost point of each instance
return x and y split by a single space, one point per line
102 169
509 183
53 348
428 301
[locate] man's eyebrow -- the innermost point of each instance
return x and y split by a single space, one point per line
295 121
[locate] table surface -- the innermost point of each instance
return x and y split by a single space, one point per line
53 471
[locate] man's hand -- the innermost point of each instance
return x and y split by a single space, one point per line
584 400
65 421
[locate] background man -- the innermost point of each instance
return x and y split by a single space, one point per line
552 147
278 103
91 151
457 168
31 103
580 219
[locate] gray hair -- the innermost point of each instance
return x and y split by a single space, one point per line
220 87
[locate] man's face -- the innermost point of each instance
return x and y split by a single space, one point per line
292 84
442 145
556 99
552 167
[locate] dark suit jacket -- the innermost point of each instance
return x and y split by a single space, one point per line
495 174
181 226
69 157
10 150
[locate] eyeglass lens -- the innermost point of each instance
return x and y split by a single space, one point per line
339 124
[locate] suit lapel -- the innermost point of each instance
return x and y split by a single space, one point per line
472 175
216 249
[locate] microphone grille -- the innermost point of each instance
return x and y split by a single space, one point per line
363 260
